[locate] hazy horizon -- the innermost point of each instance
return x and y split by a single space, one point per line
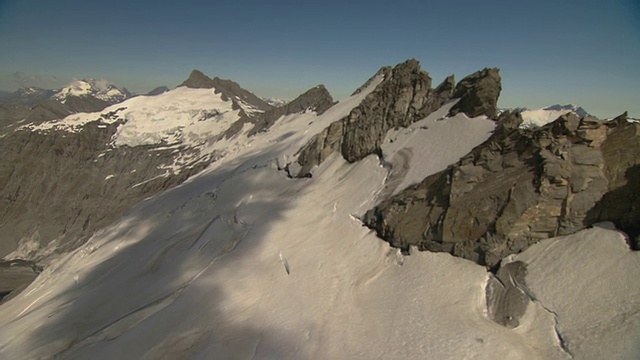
548 52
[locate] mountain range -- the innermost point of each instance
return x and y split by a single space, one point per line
406 221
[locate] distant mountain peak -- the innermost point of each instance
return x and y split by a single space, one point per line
99 88
198 80
540 117
569 107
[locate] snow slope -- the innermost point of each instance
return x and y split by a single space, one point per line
198 272
425 147
594 295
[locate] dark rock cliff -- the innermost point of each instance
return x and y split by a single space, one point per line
403 97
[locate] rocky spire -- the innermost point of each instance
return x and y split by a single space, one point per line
478 94
198 80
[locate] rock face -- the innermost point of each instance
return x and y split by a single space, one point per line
517 188
315 99
28 96
63 186
404 96
478 94
198 80
621 205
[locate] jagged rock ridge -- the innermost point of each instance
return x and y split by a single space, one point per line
517 188
316 99
404 96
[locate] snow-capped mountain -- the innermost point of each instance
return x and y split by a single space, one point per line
98 88
578 110
203 223
540 117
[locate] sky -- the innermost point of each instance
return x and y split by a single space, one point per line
584 52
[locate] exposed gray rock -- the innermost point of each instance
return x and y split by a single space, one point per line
478 94
621 153
517 188
157 91
403 97
506 295
233 91
315 99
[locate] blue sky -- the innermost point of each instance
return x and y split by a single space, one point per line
572 51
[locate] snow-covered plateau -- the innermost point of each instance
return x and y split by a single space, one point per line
242 261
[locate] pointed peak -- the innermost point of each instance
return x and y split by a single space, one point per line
198 80
478 94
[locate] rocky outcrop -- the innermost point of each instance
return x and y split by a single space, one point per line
517 188
316 99
404 96
507 294
478 94
198 80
